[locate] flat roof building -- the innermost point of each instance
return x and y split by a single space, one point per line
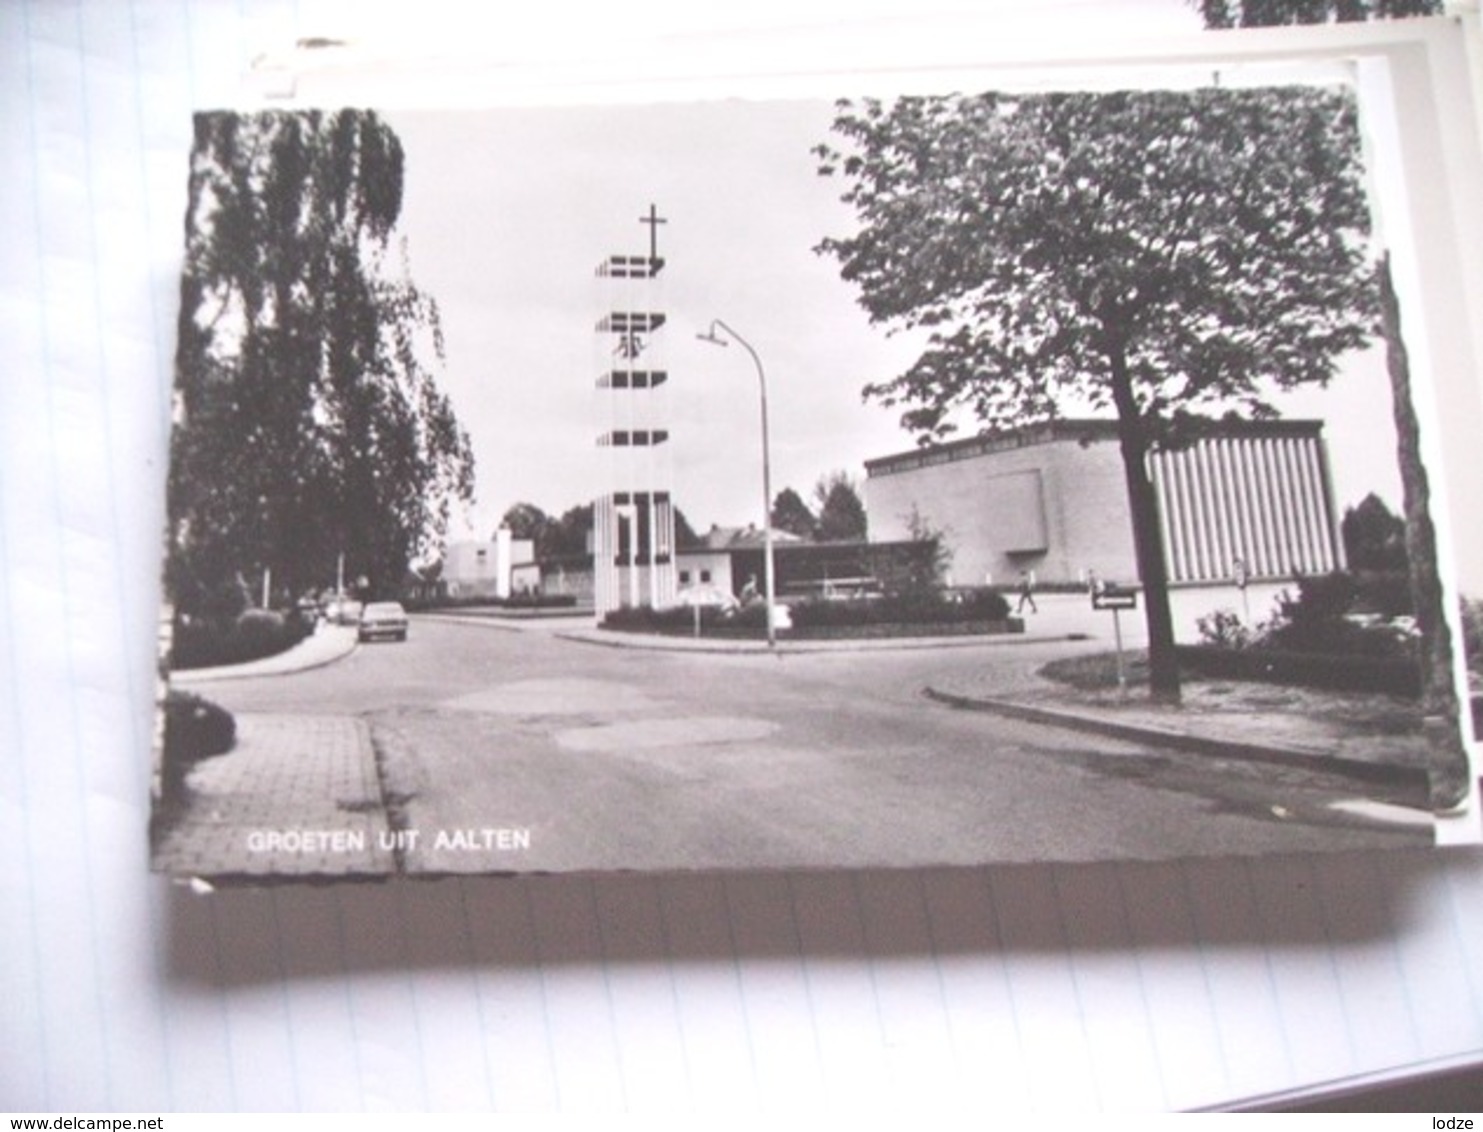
1050 500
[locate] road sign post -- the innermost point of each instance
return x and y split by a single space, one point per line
1109 596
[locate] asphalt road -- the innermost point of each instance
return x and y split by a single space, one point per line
506 750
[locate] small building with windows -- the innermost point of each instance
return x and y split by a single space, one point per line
1050 501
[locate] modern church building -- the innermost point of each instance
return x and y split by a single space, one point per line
1050 501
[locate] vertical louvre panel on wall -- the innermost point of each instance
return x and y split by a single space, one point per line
1225 513
1219 515
1205 514
1266 508
1318 506
1262 499
1166 521
1286 515
1245 485
1175 518
1236 486
1293 557
1287 512
1178 476
1186 516
1307 544
1221 511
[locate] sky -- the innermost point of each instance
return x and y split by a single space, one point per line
507 214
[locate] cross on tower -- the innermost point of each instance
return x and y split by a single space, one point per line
653 220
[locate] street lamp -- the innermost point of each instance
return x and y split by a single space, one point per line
767 561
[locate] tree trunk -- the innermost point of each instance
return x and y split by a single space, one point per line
1440 721
1148 540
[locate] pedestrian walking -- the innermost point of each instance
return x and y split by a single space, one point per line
1027 594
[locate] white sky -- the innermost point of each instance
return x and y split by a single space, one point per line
507 214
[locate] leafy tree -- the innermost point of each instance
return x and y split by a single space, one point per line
567 537
1168 256
1374 536
526 521
1276 13
841 513
307 421
924 572
1449 769
685 536
790 513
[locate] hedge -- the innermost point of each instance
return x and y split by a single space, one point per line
980 611
514 601
256 633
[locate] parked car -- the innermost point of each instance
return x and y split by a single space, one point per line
383 619
342 609
706 596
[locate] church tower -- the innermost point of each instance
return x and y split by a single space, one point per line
633 538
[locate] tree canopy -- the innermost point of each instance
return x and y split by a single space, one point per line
1276 13
1166 257
1374 536
308 423
842 515
526 521
1211 242
568 535
790 513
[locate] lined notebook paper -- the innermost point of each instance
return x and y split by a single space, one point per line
1108 987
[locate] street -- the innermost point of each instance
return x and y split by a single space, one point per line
517 750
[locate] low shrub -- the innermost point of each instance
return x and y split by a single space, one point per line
195 729
1317 622
1385 593
950 607
1327 616
464 601
259 631
1223 629
645 618
539 601
948 611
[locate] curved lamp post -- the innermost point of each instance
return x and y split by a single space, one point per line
767 560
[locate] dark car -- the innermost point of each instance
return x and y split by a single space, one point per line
383 619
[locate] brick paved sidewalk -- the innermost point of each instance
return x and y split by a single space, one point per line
297 795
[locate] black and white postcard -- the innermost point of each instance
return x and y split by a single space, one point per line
737 484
